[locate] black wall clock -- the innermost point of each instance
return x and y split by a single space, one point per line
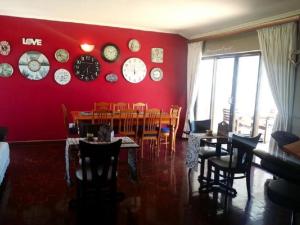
110 52
86 68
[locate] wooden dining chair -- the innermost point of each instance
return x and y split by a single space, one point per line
140 106
102 106
238 161
103 117
170 131
151 128
120 106
97 175
128 123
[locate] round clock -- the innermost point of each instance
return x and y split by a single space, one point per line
156 74
86 68
34 65
6 70
62 76
62 55
134 70
134 45
110 52
4 48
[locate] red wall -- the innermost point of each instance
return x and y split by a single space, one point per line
32 109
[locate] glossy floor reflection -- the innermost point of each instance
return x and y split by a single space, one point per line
36 193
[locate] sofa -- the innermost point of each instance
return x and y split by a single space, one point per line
4 153
4 159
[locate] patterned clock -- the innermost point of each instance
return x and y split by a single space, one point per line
86 68
34 65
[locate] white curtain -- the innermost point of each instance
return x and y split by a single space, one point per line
193 65
276 44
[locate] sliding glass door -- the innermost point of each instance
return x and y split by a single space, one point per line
237 93
245 94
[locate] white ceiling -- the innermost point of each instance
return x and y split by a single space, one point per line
189 18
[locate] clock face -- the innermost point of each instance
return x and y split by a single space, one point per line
110 52
134 45
62 76
62 55
34 65
86 68
134 70
156 74
4 48
6 70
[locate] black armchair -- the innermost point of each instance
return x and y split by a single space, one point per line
284 190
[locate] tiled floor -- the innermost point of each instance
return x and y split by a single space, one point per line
36 193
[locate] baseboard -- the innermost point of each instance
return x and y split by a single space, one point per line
36 142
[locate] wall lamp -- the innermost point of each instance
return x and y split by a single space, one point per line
87 47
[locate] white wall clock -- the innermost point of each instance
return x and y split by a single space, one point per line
156 74
157 55
61 55
34 65
134 45
4 48
62 76
134 70
6 70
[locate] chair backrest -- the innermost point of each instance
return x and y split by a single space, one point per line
120 106
175 111
283 138
102 106
226 115
128 123
103 162
244 155
140 106
223 129
103 117
3 133
199 126
85 128
152 122
65 117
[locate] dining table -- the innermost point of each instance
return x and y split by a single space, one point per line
78 116
87 116
127 144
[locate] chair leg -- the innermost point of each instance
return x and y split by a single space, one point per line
248 184
293 219
142 153
208 175
202 164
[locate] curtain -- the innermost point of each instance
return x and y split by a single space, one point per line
276 44
193 64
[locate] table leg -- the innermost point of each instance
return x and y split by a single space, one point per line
132 164
67 160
